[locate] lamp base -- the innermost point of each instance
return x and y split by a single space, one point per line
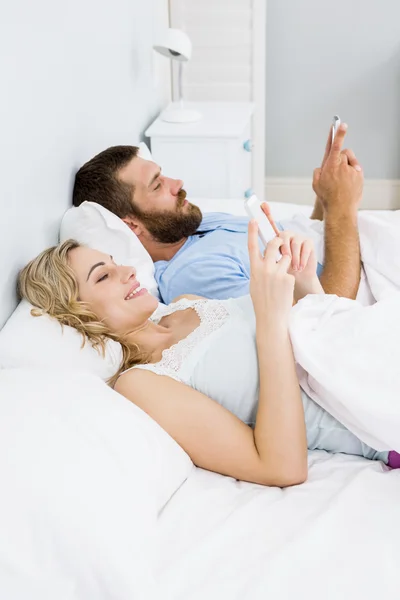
180 115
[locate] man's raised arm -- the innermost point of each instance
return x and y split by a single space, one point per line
339 186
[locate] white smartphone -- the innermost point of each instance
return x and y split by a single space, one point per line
253 209
335 125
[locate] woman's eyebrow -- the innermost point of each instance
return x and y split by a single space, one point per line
99 264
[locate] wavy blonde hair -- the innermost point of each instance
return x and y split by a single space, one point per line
49 283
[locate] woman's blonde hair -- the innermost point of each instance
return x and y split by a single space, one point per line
49 284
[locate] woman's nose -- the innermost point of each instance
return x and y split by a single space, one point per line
127 273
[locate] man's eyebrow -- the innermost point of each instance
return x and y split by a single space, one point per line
99 264
154 178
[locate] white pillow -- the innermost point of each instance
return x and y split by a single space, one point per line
98 228
41 342
84 474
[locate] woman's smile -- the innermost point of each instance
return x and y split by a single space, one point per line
136 291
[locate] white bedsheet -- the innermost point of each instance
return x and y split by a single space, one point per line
334 537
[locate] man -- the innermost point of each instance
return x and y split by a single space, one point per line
208 256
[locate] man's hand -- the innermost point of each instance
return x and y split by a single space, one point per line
318 212
339 182
339 185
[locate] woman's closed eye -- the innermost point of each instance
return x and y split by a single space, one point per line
157 187
102 278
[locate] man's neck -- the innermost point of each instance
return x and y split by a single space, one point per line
159 251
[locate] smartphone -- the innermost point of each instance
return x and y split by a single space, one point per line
335 125
254 210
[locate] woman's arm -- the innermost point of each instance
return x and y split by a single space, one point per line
280 432
275 452
214 438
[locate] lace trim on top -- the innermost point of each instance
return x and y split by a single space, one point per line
212 315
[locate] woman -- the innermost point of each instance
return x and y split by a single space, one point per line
258 424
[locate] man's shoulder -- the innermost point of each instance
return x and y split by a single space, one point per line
205 253
216 220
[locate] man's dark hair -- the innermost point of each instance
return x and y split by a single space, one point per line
97 181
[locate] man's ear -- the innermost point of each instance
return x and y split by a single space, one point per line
134 225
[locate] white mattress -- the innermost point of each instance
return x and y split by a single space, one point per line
336 536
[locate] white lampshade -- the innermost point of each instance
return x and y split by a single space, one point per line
174 44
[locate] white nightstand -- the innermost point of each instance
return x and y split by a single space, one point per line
213 155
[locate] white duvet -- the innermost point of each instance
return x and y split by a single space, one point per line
349 354
336 536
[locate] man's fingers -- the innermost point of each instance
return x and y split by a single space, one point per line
352 159
316 176
328 146
337 145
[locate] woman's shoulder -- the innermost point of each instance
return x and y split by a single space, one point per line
138 374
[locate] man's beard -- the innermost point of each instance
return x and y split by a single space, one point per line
169 227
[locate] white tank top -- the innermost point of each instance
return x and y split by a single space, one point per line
219 357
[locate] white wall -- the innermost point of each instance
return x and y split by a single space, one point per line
76 77
333 57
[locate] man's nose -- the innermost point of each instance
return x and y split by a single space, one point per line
176 185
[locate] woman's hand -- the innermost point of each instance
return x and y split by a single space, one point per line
271 286
303 264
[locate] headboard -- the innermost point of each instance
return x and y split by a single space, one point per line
76 77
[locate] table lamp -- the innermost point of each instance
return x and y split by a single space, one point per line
176 44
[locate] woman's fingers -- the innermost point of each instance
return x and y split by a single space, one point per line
252 241
284 263
286 236
295 246
272 250
306 251
294 249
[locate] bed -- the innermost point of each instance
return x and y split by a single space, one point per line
206 535
97 502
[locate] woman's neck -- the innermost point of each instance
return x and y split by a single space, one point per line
152 339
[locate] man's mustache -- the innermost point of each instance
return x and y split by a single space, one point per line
181 197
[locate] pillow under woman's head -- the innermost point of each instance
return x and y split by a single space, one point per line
85 289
